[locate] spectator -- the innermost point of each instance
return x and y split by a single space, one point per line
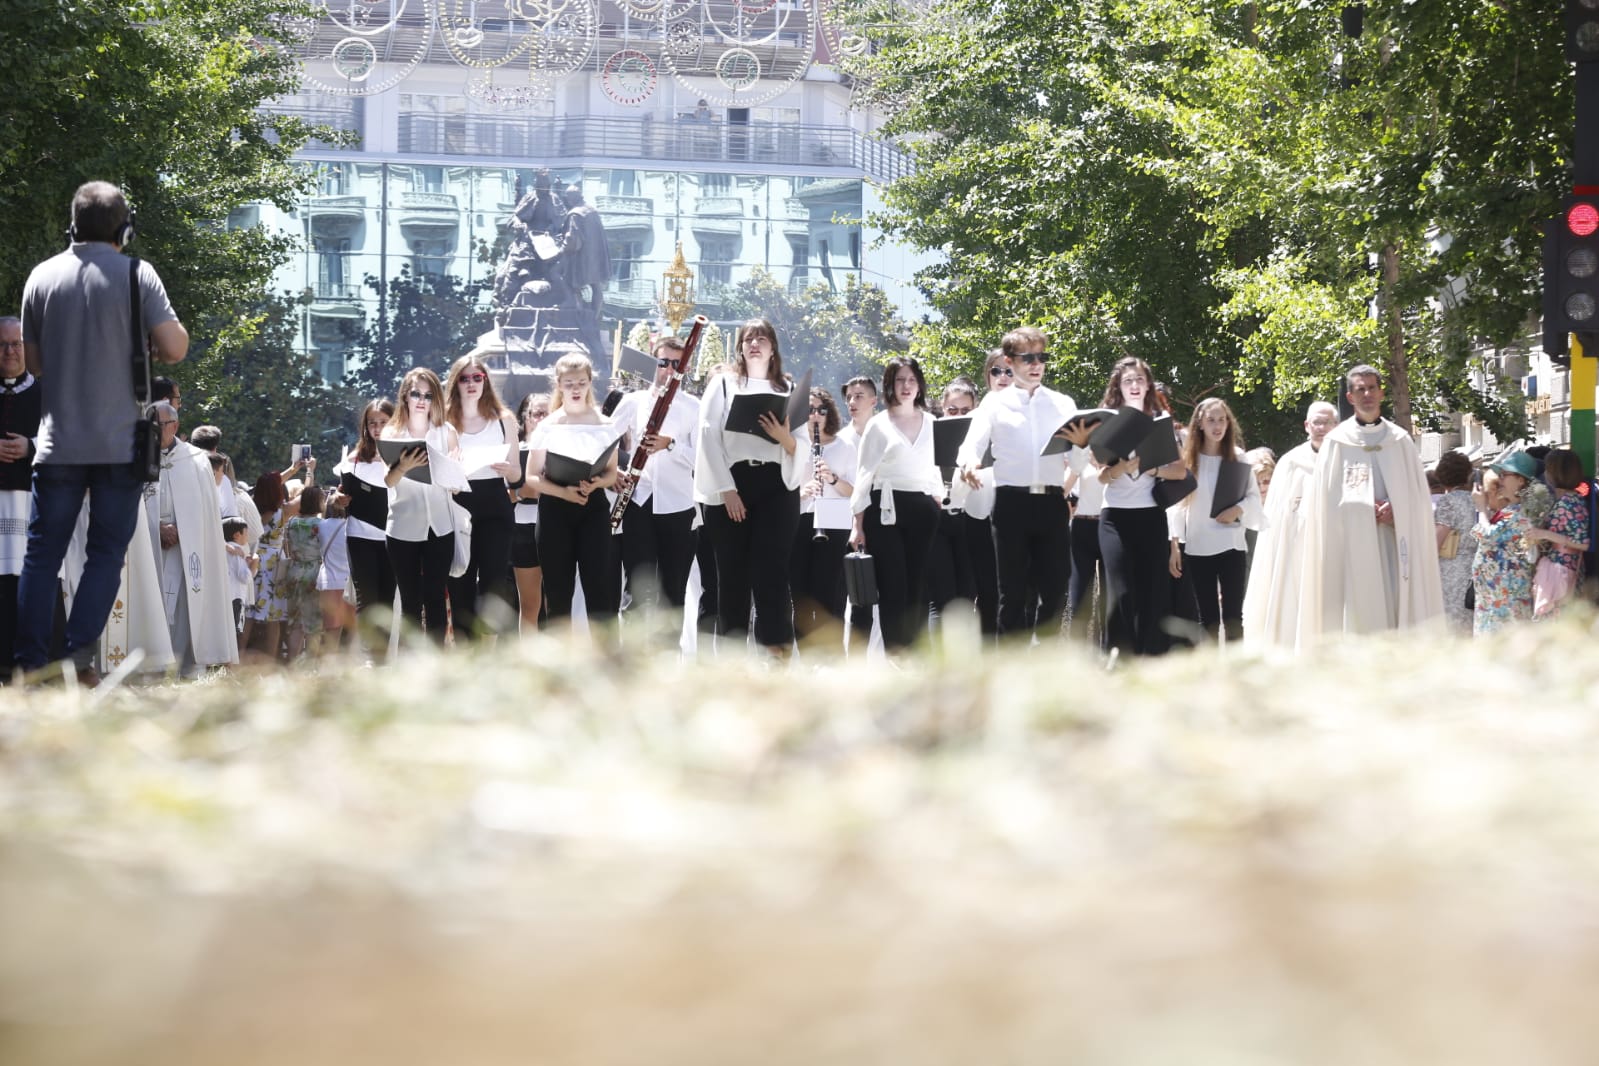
1565 530
75 333
1501 574
1454 516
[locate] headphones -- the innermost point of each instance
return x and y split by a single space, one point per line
122 236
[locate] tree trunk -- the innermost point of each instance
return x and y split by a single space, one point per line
1398 366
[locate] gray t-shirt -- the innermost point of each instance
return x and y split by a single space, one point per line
75 310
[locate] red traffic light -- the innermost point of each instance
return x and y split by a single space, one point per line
1582 219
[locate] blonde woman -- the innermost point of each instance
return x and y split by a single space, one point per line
1210 549
485 428
574 523
420 533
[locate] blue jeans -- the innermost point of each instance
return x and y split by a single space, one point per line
114 492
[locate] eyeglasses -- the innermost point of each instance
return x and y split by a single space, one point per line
165 422
1001 372
473 379
425 397
10 344
1033 357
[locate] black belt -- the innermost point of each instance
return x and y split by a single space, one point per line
1033 490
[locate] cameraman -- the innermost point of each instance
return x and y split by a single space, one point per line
77 337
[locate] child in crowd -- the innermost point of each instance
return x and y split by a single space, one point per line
303 549
241 567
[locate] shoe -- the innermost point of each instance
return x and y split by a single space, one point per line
88 677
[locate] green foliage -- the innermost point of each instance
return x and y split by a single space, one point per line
270 395
1208 187
836 334
428 321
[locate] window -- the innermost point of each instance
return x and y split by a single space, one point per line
626 260
716 184
717 256
432 123
430 258
333 268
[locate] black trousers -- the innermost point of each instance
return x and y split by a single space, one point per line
8 624
985 571
488 572
575 541
657 552
1137 552
899 556
1219 590
421 573
752 556
709 617
1086 567
949 564
372 574
1033 550
816 578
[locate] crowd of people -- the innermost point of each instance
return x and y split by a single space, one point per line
453 519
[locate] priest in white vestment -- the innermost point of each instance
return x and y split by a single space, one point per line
1271 603
1370 547
191 554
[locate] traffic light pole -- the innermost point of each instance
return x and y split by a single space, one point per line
1584 382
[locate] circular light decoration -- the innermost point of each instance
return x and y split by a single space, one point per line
629 77
738 68
463 28
754 7
562 44
643 9
364 48
520 97
747 62
354 59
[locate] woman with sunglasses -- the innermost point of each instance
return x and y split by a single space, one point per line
488 435
574 528
749 487
421 529
817 573
1132 527
1031 520
533 409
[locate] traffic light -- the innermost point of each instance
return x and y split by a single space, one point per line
1582 31
1571 272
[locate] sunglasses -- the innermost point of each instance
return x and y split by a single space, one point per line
1034 357
818 410
662 364
1001 372
473 379
425 397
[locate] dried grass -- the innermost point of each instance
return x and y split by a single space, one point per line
1382 854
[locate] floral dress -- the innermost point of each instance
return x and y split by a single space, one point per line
1502 572
1456 511
269 605
303 549
1568 517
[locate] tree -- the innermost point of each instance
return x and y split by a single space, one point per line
428 320
834 334
1230 192
270 396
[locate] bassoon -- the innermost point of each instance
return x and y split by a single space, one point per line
663 401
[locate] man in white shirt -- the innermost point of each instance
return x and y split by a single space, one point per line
658 537
1031 519
860 397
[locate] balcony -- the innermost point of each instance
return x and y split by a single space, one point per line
626 213
635 295
796 218
718 215
429 213
573 140
335 216
332 299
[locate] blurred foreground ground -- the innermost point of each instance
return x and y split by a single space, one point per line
1387 854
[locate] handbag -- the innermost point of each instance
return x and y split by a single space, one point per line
1551 584
461 520
1451 545
860 579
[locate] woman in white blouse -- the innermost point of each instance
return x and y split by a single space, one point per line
1210 549
574 526
490 443
749 490
818 560
420 533
367 513
896 497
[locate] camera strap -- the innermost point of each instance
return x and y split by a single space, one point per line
141 354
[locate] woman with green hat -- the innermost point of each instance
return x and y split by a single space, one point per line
1502 572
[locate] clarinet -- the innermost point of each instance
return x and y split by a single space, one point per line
663 400
818 533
